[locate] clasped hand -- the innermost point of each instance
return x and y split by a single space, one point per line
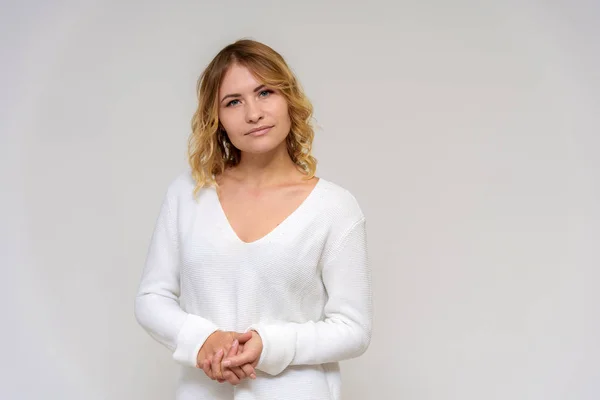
230 356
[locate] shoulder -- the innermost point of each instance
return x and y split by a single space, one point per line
338 203
336 197
181 185
342 215
180 190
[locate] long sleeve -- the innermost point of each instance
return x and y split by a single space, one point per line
345 330
157 307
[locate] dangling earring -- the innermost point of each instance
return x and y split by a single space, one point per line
224 142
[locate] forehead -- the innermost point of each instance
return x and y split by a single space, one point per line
238 79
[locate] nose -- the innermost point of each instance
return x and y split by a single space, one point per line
253 112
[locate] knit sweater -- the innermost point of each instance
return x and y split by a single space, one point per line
305 287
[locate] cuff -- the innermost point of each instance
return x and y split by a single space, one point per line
191 337
279 347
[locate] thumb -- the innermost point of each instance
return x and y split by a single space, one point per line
240 359
244 337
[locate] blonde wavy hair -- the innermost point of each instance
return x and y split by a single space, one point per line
210 151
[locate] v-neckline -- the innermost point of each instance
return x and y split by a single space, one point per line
273 231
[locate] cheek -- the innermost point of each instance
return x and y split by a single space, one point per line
223 119
281 110
228 120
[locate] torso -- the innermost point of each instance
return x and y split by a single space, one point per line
277 278
253 213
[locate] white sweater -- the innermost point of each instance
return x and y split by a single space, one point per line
305 288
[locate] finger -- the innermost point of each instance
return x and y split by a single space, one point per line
239 372
244 337
206 366
248 371
209 372
234 348
231 377
212 371
229 372
216 364
239 360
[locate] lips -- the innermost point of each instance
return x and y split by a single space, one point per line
261 130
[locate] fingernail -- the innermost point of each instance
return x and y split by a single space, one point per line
226 363
253 376
235 342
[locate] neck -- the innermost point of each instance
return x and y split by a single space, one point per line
268 169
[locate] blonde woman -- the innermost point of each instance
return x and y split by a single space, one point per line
256 277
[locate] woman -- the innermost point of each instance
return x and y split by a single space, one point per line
256 276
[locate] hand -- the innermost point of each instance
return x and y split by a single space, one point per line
219 340
250 354
233 375
215 347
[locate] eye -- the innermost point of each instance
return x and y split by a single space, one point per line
231 103
265 93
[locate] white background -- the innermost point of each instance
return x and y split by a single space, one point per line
469 131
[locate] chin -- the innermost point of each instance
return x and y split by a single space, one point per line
262 148
263 145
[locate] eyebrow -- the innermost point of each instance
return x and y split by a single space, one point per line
239 95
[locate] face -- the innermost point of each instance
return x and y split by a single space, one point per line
254 116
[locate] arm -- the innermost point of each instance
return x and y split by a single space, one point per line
345 331
157 307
